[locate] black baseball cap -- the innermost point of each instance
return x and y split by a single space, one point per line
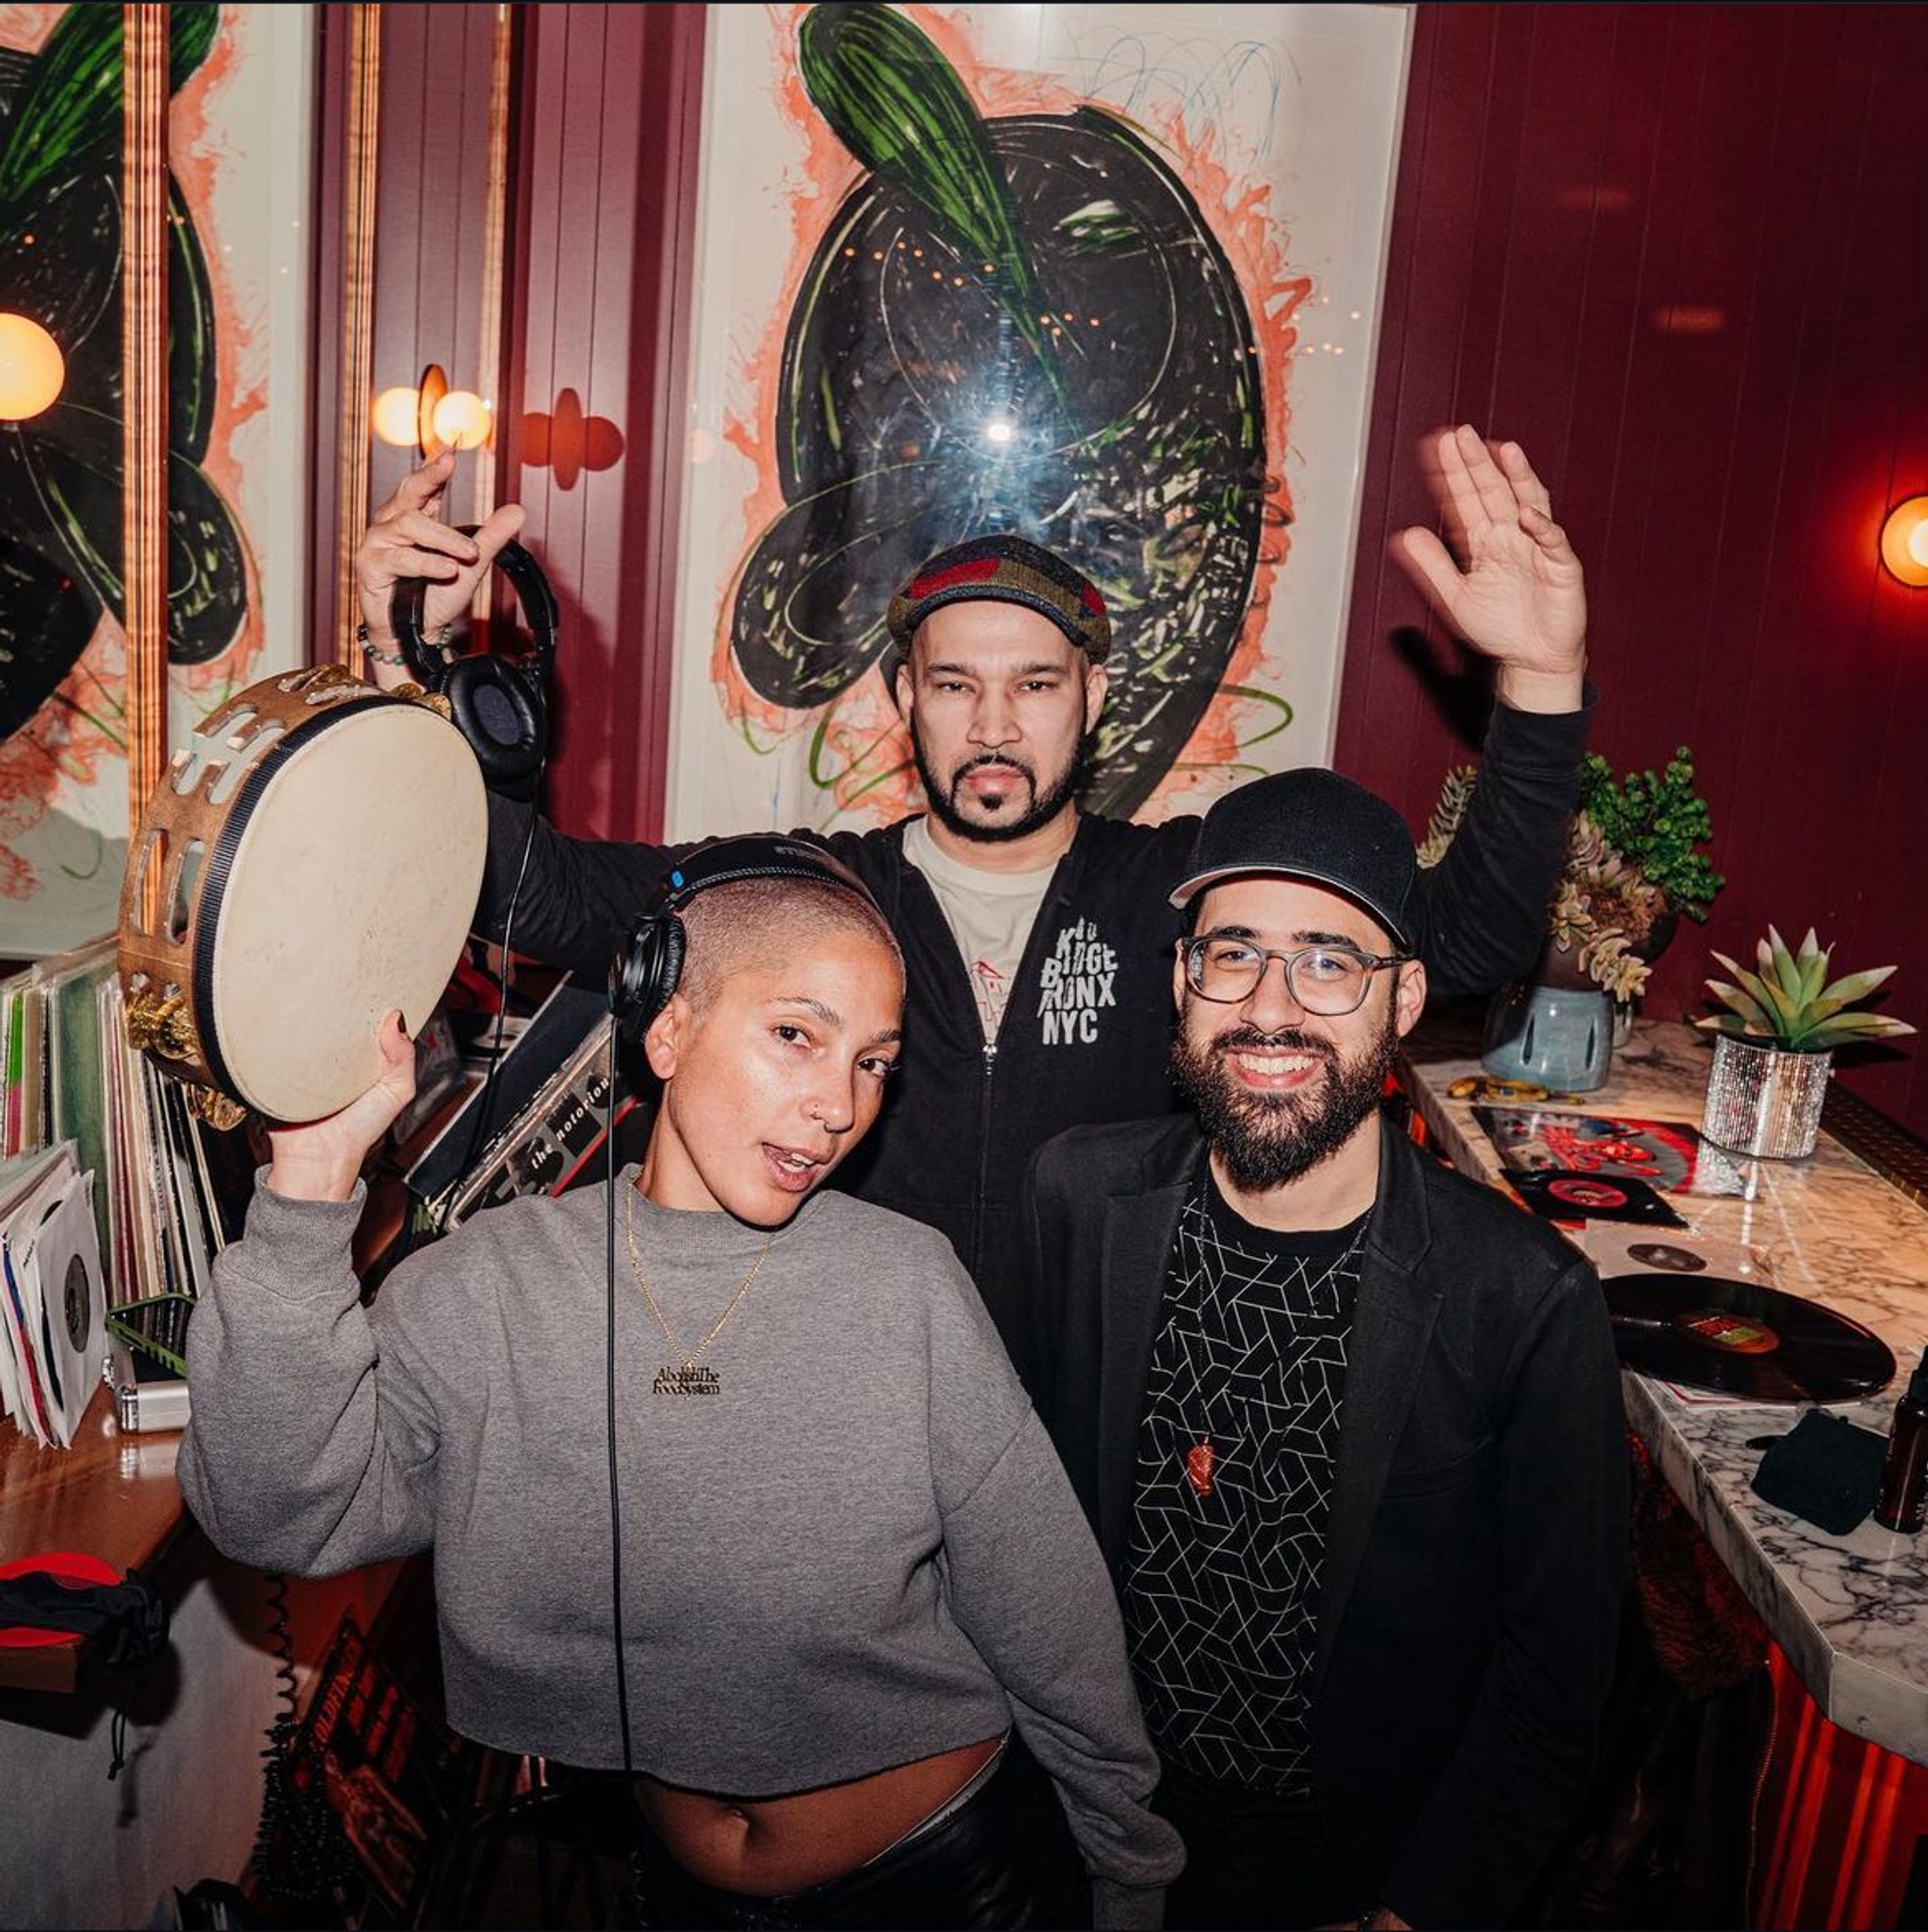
1314 825
1004 569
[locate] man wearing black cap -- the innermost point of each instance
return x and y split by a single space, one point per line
1348 1425
1035 934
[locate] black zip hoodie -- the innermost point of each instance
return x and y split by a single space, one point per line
1087 1029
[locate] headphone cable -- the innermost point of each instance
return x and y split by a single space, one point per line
485 1100
406 609
615 1503
475 1142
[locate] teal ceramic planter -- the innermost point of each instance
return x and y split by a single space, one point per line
1558 1036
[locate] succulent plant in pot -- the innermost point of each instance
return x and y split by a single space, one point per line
1774 1044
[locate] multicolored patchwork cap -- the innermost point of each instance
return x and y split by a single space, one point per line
1007 570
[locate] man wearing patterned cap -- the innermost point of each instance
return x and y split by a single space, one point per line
1036 935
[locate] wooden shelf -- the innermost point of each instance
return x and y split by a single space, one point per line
110 1495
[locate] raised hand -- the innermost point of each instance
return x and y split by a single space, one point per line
320 1160
1504 576
409 537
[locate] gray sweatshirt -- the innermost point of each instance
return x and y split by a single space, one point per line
861 1550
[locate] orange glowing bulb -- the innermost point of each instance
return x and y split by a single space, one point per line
395 416
31 368
1905 541
462 419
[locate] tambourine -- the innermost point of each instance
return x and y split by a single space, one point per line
309 862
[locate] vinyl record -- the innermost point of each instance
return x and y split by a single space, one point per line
64 1260
1562 1194
1742 1340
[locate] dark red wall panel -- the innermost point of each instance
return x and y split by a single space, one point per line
1672 250
603 153
606 190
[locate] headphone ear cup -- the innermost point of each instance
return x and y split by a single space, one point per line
644 978
499 708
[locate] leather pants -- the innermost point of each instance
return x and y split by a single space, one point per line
1003 1858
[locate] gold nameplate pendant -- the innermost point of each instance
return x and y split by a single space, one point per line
690 1380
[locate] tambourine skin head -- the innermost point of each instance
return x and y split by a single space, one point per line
314 859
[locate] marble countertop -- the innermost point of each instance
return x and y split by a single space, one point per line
1851 1612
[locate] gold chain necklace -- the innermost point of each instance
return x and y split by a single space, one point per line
692 1379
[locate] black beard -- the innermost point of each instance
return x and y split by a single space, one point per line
1265 1140
1045 806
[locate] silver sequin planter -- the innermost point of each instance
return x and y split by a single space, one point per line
1764 1099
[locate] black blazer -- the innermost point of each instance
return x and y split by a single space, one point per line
1477 1548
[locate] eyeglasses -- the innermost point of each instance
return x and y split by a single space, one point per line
1325 980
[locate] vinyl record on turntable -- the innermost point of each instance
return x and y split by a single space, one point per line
1741 1339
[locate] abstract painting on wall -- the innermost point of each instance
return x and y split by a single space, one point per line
239 133
1104 276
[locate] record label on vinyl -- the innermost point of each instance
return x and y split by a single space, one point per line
1741 1339
1719 1330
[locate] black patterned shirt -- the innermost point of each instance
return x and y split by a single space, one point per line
1234 1482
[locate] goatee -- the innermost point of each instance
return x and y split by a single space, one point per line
1263 1140
941 798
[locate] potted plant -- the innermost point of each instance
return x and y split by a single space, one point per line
1634 869
1655 822
1773 1046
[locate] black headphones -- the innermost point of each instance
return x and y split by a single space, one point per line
497 704
648 965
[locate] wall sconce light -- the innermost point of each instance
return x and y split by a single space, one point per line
1905 541
432 417
31 368
461 420
397 416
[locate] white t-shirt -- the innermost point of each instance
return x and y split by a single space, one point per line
990 914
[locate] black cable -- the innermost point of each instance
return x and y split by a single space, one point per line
300 1853
508 931
281 1729
406 1242
615 1503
